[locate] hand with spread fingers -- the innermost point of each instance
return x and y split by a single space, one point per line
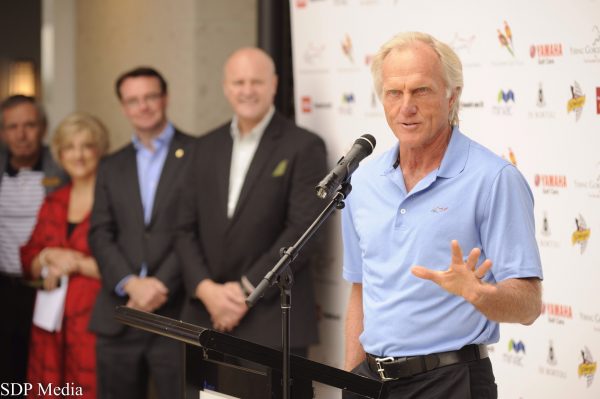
461 278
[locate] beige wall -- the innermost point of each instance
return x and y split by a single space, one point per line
58 59
186 40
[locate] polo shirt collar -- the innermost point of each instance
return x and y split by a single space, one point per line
389 159
456 155
12 172
453 162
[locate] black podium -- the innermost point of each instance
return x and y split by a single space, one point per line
229 365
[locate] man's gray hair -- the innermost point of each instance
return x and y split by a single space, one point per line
19 99
451 65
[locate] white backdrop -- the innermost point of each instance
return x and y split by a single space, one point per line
534 100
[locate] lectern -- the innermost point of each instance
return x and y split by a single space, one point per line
242 369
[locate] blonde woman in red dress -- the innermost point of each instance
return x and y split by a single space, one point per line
58 247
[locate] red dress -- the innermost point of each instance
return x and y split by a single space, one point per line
69 355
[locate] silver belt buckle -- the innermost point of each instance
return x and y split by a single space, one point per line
380 361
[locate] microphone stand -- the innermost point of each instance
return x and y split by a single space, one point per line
282 275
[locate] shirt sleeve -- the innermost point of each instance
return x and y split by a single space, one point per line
508 228
352 268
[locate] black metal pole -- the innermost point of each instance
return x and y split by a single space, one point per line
283 276
285 282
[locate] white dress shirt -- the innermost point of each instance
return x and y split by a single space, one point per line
244 148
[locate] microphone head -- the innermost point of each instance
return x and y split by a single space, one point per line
367 141
362 147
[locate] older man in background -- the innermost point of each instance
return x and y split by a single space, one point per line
27 174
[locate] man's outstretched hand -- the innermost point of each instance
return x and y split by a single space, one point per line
461 278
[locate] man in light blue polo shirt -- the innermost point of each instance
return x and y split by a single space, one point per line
420 313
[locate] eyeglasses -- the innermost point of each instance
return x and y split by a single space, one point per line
152 99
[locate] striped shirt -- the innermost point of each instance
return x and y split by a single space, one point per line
21 196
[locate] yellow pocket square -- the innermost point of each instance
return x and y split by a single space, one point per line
280 168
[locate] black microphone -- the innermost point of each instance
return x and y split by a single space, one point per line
362 147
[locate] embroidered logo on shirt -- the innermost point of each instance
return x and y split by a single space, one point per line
439 209
280 168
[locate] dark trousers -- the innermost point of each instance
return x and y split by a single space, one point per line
472 380
16 312
126 363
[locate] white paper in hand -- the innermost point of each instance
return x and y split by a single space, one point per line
50 307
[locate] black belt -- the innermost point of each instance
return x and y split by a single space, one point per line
11 279
392 368
18 281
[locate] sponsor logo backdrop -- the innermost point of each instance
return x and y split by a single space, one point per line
532 78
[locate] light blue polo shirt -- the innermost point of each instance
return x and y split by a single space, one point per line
474 197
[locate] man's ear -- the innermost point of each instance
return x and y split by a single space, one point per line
453 96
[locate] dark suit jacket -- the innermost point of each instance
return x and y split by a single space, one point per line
121 241
276 204
54 176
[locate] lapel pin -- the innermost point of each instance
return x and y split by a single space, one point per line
280 168
179 153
